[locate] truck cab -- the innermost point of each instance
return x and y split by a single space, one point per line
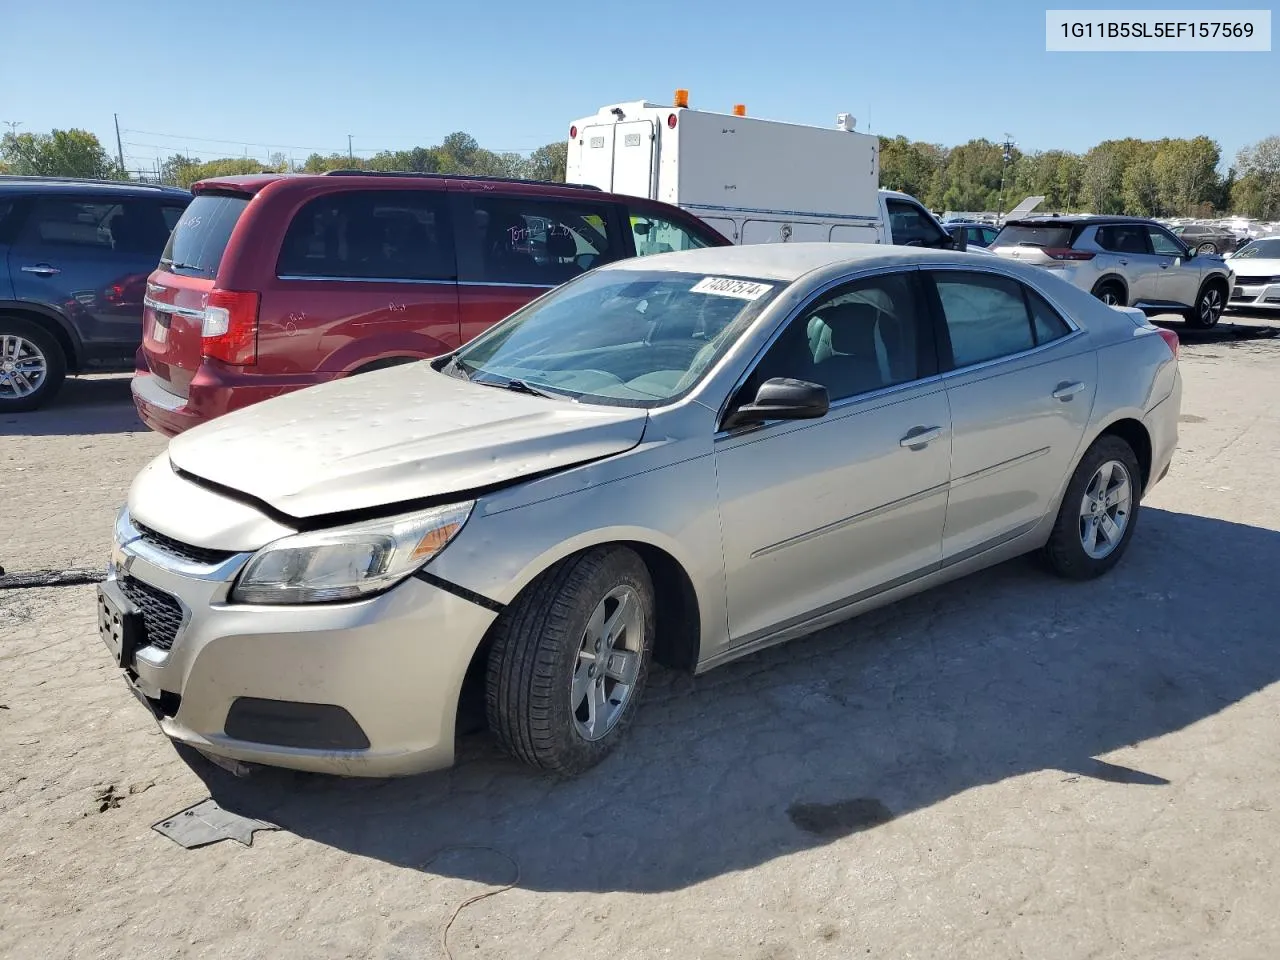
753 180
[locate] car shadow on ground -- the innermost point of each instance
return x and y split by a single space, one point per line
1232 328
1007 672
84 405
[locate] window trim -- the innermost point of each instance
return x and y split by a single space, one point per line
1075 331
445 207
1156 228
927 331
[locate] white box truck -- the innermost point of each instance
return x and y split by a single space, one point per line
754 180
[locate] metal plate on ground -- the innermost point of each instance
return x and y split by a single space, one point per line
207 823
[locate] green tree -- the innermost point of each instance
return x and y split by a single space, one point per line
909 166
1186 172
549 162
184 171
1102 178
60 153
1257 193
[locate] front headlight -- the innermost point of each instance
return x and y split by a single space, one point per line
348 562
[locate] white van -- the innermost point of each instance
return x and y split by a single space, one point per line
754 180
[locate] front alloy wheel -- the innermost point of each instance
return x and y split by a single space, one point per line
1208 308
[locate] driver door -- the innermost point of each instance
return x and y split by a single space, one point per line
1179 281
816 514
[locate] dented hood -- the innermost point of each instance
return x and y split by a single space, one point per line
396 435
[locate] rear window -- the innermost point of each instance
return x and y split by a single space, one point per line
198 241
1034 235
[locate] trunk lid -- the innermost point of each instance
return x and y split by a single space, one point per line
396 435
173 310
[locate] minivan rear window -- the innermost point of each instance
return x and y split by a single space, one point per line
198 241
1034 235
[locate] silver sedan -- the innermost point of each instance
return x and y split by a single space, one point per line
683 458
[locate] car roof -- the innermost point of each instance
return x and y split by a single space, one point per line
386 180
1074 219
790 261
12 183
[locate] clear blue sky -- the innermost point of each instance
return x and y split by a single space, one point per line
514 73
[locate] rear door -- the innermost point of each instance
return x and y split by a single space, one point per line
176 292
1020 387
1131 256
597 155
512 248
633 149
89 257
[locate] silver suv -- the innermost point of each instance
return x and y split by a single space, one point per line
1123 261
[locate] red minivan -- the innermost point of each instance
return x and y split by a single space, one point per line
271 283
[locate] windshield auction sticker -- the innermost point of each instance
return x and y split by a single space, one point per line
725 287
1113 31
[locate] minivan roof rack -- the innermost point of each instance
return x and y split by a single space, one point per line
454 176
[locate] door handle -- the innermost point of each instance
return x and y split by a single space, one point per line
40 269
1124 263
919 437
1166 265
1065 391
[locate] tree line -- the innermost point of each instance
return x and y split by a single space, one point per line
1166 177
1146 178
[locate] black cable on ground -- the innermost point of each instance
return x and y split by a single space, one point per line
73 577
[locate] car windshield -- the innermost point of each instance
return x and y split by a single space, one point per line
1267 249
618 337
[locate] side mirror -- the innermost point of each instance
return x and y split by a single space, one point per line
641 228
961 239
782 398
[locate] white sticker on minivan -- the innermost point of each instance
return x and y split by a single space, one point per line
725 287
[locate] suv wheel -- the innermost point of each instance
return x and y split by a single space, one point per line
569 661
1209 306
1207 247
32 365
1110 293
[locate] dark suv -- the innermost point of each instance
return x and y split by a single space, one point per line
271 283
74 258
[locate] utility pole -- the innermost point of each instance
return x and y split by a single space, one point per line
351 156
119 145
1007 146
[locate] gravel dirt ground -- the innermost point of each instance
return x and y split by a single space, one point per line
1010 766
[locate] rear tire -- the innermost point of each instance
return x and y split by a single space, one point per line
1110 293
1098 513
569 661
1207 247
1210 304
32 365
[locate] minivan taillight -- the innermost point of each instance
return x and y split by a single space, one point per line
229 331
1066 253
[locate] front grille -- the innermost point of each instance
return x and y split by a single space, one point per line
161 612
1253 281
182 550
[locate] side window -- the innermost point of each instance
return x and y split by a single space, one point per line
863 337
656 235
986 316
370 235
1047 323
172 214
72 223
908 223
988 236
1123 238
1163 244
539 242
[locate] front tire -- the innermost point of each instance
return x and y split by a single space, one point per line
32 366
1099 512
1208 308
569 661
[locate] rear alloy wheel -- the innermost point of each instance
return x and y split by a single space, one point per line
32 366
569 661
1209 306
1111 294
1098 513
1207 247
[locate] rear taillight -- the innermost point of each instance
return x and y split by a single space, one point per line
671 120
1066 253
229 331
1170 338
573 133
